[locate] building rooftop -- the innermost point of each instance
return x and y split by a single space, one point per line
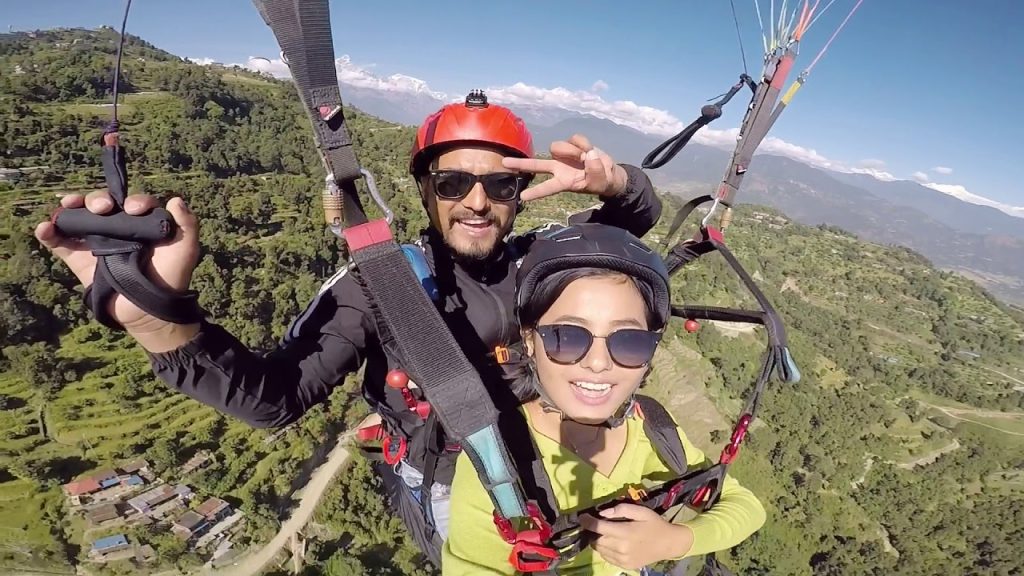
109 542
83 486
190 521
211 507
102 513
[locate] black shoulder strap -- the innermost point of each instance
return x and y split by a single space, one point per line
661 429
526 458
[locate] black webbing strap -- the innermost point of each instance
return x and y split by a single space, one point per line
425 346
661 429
432 447
435 362
681 215
303 31
668 149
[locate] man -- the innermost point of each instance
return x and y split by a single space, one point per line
472 162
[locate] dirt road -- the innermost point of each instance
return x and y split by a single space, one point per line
312 492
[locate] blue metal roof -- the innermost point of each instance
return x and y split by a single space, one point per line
109 482
109 542
134 480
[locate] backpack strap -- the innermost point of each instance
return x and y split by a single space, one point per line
663 432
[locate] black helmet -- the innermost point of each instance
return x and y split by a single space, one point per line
595 246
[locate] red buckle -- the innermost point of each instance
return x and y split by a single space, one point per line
528 541
505 529
702 493
391 453
549 557
738 434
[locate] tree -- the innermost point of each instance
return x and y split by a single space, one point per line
164 453
168 546
38 365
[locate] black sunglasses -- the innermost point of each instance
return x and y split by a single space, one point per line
628 347
499 186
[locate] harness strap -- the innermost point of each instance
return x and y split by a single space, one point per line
303 31
661 429
434 360
681 215
423 343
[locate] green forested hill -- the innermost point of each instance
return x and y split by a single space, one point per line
901 449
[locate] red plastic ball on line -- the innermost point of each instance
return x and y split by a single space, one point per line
397 378
691 326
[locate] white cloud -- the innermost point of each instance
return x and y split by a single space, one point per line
624 112
962 193
202 61
645 119
872 163
270 66
356 75
348 73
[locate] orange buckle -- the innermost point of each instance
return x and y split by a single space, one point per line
502 355
637 494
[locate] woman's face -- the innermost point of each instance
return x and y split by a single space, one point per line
591 389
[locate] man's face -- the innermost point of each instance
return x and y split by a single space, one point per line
472 225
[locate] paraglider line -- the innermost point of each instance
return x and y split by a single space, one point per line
760 23
834 34
739 36
820 14
120 49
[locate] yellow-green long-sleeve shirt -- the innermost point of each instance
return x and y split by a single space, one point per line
475 547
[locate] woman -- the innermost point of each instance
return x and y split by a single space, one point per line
592 302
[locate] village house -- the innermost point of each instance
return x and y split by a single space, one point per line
102 486
146 502
103 548
214 509
190 525
194 523
103 515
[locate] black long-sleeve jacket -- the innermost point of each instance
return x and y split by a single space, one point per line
337 334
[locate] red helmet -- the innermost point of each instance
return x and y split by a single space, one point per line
473 121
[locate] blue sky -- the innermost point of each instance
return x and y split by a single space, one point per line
914 84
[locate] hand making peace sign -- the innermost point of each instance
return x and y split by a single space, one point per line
575 166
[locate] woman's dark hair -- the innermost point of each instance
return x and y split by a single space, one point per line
548 290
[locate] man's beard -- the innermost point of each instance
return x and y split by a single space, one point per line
473 251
